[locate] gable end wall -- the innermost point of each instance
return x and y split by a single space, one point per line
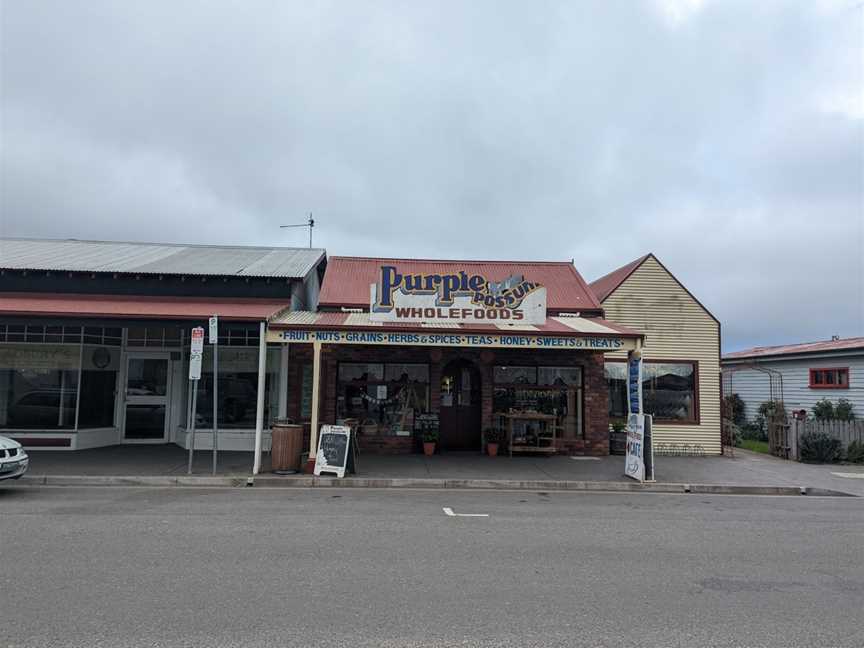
676 328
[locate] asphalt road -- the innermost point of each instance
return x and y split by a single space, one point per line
288 567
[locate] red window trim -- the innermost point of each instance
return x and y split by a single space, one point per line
814 385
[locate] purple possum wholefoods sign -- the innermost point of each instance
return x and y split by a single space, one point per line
455 298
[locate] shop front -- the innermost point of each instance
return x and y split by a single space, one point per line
95 340
495 356
68 383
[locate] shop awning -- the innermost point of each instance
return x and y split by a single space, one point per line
138 307
587 333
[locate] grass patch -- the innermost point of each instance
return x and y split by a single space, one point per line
755 446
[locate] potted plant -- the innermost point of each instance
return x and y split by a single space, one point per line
493 440
430 438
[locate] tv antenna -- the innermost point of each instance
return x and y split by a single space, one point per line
310 224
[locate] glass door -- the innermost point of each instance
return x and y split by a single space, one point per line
145 418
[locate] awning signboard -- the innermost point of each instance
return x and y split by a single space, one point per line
492 341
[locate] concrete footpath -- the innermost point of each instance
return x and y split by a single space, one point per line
746 473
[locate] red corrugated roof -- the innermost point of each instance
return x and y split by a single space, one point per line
846 344
347 280
134 307
606 285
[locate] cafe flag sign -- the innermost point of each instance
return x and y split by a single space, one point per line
634 462
457 298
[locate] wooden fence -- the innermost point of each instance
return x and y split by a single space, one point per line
846 431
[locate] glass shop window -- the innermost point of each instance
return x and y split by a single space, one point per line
515 375
382 398
668 390
38 386
616 380
554 391
238 388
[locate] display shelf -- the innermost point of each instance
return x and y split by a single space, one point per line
531 432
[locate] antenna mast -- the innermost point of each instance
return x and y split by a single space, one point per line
310 224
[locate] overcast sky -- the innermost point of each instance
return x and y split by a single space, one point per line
725 137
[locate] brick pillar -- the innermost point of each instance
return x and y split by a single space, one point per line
596 416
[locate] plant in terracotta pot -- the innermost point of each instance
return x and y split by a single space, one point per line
430 438
617 436
493 436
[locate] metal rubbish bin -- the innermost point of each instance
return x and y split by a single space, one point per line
286 446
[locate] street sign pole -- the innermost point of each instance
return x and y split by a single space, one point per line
214 340
192 424
196 353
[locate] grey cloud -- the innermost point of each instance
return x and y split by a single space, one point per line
485 129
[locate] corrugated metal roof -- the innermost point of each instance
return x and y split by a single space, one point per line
136 307
558 326
846 344
347 281
157 258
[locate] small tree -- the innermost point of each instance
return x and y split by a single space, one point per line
823 410
843 410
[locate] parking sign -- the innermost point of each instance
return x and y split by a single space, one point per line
214 329
196 353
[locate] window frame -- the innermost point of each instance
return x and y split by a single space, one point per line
822 371
696 419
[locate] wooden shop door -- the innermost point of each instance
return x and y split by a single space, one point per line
460 406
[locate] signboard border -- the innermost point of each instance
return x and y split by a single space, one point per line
499 340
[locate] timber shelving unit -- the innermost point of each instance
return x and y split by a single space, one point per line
542 437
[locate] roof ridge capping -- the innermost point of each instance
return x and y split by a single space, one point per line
469 261
221 246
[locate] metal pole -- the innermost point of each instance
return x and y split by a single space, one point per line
316 390
80 370
215 403
192 424
259 407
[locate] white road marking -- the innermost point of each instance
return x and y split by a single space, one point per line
450 513
855 475
585 458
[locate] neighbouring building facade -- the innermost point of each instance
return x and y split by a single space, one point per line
681 355
94 339
799 375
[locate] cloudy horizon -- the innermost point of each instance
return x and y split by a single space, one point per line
726 138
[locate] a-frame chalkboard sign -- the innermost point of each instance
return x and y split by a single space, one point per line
335 450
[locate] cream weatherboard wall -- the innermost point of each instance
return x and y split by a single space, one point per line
676 327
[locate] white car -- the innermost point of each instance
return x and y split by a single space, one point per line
13 459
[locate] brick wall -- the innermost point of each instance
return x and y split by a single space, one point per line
595 425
